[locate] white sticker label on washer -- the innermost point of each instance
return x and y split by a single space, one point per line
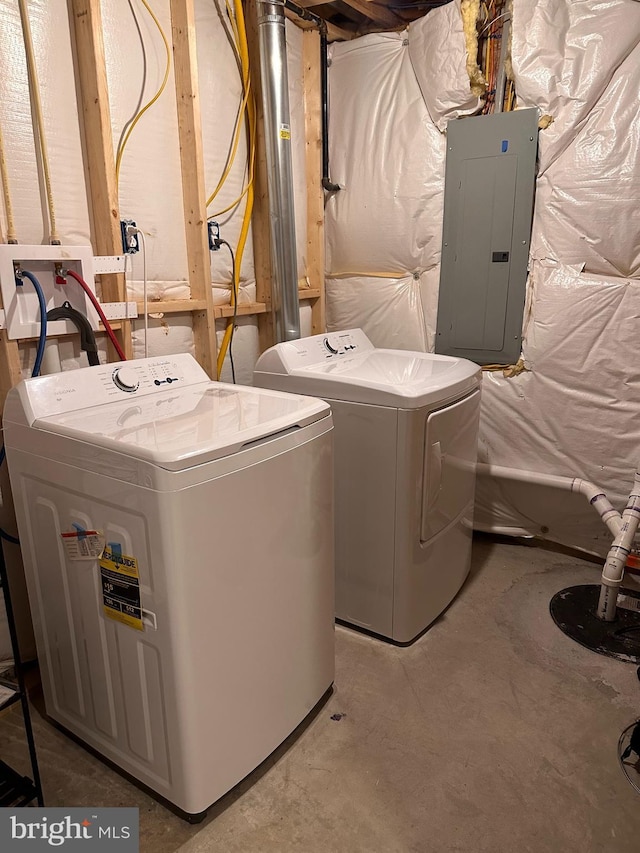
84 544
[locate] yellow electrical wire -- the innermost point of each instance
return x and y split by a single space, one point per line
252 159
234 149
41 142
243 51
234 27
149 104
8 207
233 203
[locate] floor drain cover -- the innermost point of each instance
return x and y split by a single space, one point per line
574 612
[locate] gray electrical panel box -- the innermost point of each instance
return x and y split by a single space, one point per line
488 206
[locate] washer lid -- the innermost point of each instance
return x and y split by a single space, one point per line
384 377
188 426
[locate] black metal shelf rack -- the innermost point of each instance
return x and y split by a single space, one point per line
16 790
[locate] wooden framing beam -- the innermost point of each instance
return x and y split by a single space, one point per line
376 12
98 144
260 218
9 357
311 74
10 373
248 310
193 179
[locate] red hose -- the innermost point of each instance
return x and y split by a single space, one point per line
83 284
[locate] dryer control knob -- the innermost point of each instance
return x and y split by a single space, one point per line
332 345
126 379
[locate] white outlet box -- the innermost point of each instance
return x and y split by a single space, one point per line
21 302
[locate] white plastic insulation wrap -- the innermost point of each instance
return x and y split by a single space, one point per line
220 99
575 412
54 62
150 188
389 95
389 310
439 58
588 193
387 157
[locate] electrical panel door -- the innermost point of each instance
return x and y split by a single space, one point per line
488 205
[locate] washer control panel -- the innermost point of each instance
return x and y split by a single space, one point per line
92 386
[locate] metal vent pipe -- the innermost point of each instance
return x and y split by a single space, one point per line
277 130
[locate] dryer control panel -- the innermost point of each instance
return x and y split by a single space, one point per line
73 390
318 349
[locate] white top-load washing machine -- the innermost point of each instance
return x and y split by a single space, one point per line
203 634
405 445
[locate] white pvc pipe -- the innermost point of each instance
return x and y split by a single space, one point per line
595 496
614 566
51 358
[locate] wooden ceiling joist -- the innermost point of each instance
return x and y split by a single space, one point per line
376 12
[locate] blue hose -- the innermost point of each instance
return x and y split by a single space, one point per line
42 342
43 321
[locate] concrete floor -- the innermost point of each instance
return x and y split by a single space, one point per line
494 732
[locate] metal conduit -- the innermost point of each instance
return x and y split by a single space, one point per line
501 82
306 15
277 129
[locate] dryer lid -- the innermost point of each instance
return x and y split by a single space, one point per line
189 425
385 377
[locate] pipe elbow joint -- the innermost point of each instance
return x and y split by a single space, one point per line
329 186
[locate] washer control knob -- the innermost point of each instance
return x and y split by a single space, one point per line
126 379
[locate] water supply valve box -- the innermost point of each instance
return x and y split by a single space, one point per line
21 302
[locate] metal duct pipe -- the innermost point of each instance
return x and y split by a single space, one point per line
277 130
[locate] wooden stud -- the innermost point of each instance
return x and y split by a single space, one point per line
10 373
193 179
171 306
250 309
9 357
311 73
260 219
98 150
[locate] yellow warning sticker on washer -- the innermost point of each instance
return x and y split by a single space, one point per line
121 588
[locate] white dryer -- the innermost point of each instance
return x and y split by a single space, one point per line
203 634
406 428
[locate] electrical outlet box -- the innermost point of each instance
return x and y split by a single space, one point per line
130 240
213 231
21 302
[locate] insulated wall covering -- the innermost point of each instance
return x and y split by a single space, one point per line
52 44
574 410
389 94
